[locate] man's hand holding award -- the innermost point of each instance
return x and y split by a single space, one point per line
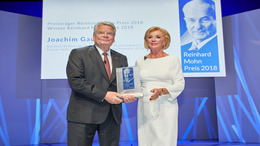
128 83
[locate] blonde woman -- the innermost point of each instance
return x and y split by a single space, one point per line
162 81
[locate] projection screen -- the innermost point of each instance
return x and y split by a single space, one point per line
68 24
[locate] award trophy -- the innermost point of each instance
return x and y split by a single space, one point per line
128 81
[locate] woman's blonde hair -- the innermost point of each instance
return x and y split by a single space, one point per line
165 34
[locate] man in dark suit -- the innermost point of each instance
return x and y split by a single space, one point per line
94 104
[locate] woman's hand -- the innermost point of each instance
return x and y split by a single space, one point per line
156 93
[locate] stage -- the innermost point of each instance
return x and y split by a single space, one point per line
180 143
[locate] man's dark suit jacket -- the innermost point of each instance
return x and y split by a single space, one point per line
89 82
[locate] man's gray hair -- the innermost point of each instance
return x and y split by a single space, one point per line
211 9
104 23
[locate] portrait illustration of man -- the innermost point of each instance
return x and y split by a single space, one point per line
128 78
199 41
200 19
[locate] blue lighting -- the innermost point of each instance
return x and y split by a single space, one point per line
3 131
128 125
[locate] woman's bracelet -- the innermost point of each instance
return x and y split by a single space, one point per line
161 92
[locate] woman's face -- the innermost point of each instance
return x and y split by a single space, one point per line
156 40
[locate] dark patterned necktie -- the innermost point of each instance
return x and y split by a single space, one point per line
106 62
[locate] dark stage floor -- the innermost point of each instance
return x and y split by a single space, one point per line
180 143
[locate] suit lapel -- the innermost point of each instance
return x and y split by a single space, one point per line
95 56
114 64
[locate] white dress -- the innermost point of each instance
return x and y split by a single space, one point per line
158 119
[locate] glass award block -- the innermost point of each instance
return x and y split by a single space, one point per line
128 81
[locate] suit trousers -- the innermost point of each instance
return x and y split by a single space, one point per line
82 134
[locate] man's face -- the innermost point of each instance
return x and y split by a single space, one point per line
126 74
104 36
200 24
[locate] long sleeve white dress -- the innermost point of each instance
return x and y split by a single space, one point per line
158 119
